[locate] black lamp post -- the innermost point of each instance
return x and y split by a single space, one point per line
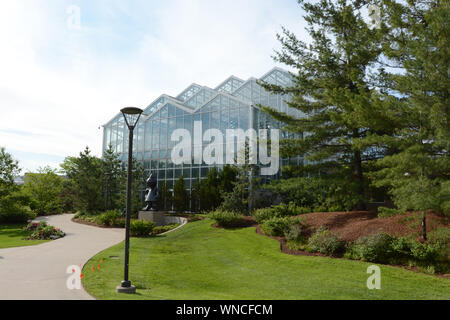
131 116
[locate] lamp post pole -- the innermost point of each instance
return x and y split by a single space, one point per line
131 116
126 283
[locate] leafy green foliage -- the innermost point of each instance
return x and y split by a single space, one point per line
114 176
326 242
44 190
384 248
13 212
278 226
9 169
165 197
180 196
282 210
314 192
163 229
374 248
332 88
296 233
418 172
111 218
141 228
207 193
13 202
263 214
42 231
98 184
384 212
86 172
227 219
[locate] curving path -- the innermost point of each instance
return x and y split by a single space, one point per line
39 272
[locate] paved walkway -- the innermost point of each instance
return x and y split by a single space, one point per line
39 272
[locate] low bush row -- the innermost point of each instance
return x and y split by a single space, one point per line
227 219
166 228
141 228
282 210
111 218
432 256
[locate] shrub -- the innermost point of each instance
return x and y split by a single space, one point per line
227 219
277 226
315 192
141 228
384 248
320 209
374 248
263 214
326 242
441 239
291 209
296 233
44 189
16 213
335 208
384 212
281 210
109 218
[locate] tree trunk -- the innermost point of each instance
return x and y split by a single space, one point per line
424 225
358 173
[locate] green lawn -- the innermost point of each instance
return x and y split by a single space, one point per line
13 235
202 262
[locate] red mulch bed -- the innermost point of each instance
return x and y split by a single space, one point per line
352 225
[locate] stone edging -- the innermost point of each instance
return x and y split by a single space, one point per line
184 222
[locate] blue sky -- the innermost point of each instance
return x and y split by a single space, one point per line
59 84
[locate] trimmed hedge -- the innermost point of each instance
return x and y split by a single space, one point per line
227 219
141 228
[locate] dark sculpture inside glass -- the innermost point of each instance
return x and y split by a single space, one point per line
151 194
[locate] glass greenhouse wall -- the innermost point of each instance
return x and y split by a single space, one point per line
231 105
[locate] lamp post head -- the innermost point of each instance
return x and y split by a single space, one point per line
131 116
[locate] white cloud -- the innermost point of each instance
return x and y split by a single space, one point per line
61 85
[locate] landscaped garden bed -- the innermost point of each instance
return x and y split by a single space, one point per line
114 219
202 262
14 235
357 235
42 231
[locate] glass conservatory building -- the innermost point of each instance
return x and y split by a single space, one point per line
231 105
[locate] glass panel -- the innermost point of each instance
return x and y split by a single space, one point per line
243 118
234 116
164 112
180 123
155 134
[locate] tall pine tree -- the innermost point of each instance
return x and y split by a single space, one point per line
416 75
333 88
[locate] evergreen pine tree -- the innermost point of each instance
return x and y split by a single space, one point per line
332 88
